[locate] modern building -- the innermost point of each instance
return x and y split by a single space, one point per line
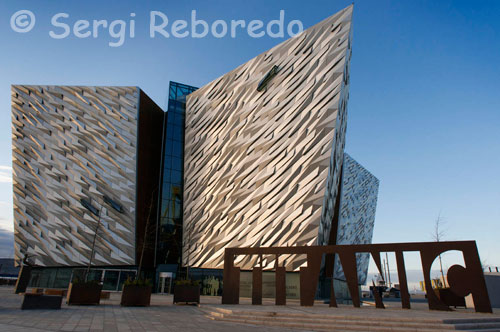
264 147
254 158
83 157
356 218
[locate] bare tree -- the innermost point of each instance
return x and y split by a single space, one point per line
438 236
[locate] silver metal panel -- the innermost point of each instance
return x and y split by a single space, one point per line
73 143
357 213
262 168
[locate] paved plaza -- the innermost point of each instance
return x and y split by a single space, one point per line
162 315
109 316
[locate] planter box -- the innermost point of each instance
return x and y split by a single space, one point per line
133 295
449 298
186 294
86 294
39 301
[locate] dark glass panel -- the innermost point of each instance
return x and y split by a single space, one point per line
166 190
95 275
167 163
178 133
167 149
124 275
110 280
170 131
62 278
176 164
177 149
178 119
177 211
170 226
176 178
78 274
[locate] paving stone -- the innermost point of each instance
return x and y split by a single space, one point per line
162 315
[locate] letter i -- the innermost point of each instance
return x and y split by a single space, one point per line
132 26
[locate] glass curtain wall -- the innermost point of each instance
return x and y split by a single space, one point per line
169 240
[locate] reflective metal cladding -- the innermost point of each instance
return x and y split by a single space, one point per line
358 199
253 159
262 168
80 156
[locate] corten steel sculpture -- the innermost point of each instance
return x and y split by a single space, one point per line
463 280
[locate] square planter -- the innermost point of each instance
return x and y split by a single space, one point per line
187 294
133 295
86 294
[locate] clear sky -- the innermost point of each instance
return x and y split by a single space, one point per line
424 109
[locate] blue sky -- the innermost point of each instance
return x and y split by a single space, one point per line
424 109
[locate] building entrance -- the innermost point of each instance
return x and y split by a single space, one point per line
166 282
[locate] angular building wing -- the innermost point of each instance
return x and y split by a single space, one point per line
83 156
358 197
264 148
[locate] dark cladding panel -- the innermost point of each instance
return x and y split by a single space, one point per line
150 132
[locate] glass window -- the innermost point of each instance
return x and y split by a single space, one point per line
170 230
177 150
35 278
165 206
47 278
95 275
178 119
62 278
167 163
171 208
176 164
165 221
124 275
166 190
170 131
168 149
110 280
178 133
78 274
176 177
178 210
173 91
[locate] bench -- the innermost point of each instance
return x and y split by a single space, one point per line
60 292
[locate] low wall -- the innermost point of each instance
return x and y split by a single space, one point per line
493 285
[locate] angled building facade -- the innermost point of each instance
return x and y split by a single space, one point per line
83 157
254 158
262 164
358 197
